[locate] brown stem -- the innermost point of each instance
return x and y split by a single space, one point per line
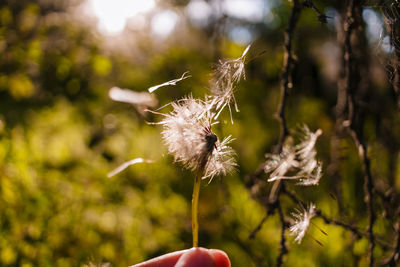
353 27
283 248
321 16
395 256
391 11
287 79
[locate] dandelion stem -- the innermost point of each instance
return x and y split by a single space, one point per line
195 210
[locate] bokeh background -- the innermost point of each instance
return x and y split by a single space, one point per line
60 134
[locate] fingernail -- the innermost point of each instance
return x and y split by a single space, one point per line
221 259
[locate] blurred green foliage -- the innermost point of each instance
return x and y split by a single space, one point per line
60 135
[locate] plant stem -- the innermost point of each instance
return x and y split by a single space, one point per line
195 210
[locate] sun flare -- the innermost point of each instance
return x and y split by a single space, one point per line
113 15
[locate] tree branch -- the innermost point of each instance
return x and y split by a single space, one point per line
351 78
287 79
283 250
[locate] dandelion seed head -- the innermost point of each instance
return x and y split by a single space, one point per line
187 133
302 220
221 161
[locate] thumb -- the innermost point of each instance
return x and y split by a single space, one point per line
201 257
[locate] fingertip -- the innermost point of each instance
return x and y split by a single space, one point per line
221 259
196 257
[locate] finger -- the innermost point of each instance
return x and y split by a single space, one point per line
190 258
196 257
167 260
221 259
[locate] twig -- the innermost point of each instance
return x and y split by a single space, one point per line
286 84
287 79
319 213
392 19
354 229
346 226
395 256
258 227
321 16
283 249
271 211
368 188
351 83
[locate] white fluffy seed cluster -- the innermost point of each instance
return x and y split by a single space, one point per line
301 223
296 162
227 74
187 128
188 135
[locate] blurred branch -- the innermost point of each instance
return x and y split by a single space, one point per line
321 16
395 256
286 78
286 84
351 83
283 248
391 12
259 226
319 213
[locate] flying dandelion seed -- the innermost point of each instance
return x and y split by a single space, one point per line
172 82
140 100
296 162
301 222
279 165
125 165
226 76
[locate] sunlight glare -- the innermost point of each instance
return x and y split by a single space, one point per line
164 23
252 10
113 15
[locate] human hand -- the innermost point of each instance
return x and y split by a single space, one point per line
194 257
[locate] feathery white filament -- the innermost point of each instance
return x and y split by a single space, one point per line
227 74
140 100
172 82
302 220
296 162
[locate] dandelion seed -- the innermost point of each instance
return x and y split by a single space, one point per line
125 165
140 100
311 178
310 168
279 165
301 222
227 74
297 162
187 133
172 82
305 149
